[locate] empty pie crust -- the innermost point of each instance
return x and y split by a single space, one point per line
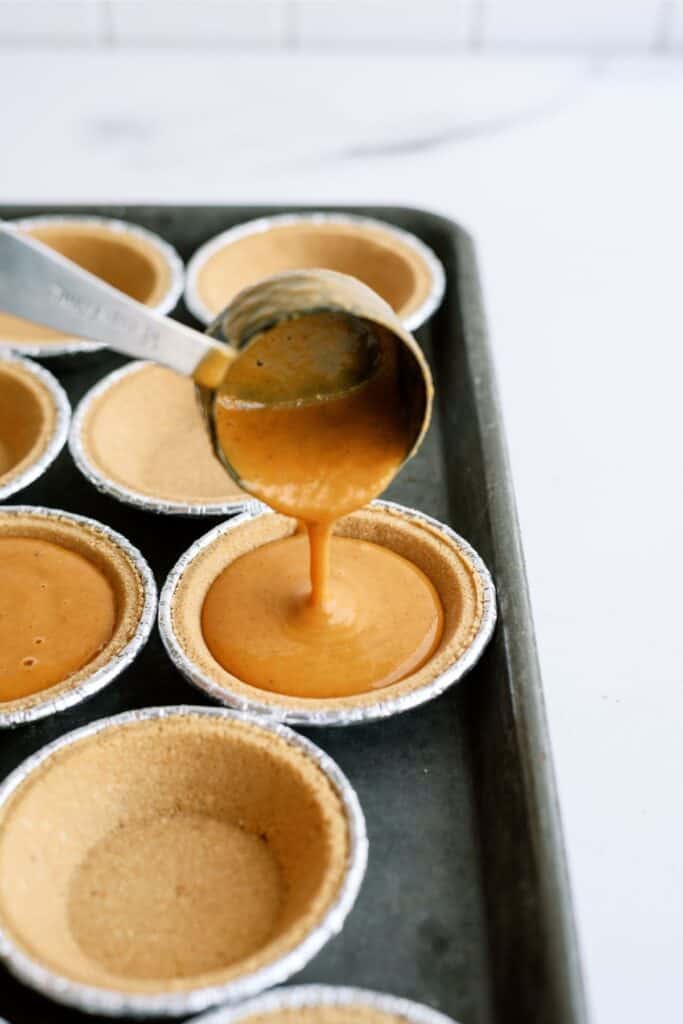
394 263
139 436
174 857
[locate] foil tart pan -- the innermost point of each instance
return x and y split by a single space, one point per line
302 997
59 434
95 1000
113 488
331 714
57 698
167 302
412 322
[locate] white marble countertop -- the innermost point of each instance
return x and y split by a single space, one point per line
569 175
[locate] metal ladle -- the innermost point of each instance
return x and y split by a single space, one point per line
43 286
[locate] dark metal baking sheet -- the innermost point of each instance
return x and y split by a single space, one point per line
466 904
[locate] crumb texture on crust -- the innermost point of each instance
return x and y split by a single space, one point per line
146 433
326 1015
376 257
163 855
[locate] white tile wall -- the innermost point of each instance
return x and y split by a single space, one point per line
675 36
240 23
39 22
383 23
578 25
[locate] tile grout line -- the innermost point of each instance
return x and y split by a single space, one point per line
658 38
664 27
475 36
105 36
291 36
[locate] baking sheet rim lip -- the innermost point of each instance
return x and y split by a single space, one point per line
295 997
168 301
59 433
109 1002
339 716
127 495
259 225
108 672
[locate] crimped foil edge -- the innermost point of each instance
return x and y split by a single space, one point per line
111 1003
333 716
300 997
167 302
104 484
120 659
416 319
59 433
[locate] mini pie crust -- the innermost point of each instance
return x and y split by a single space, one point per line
352 1014
144 431
377 256
111 560
28 417
123 258
455 578
202 770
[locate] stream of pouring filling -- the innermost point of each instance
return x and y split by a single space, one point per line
311 419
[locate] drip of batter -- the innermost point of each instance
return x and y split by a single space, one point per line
310 418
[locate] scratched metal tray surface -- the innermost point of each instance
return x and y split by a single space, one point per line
466 904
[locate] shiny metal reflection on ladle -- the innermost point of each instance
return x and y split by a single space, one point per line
43 286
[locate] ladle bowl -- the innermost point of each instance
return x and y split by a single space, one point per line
43 286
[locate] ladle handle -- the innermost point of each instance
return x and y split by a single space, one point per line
40 285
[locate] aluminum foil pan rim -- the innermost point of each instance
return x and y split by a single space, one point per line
59 433
303 996
167 302
419 316
334 716
117 1004
127 495
121 659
